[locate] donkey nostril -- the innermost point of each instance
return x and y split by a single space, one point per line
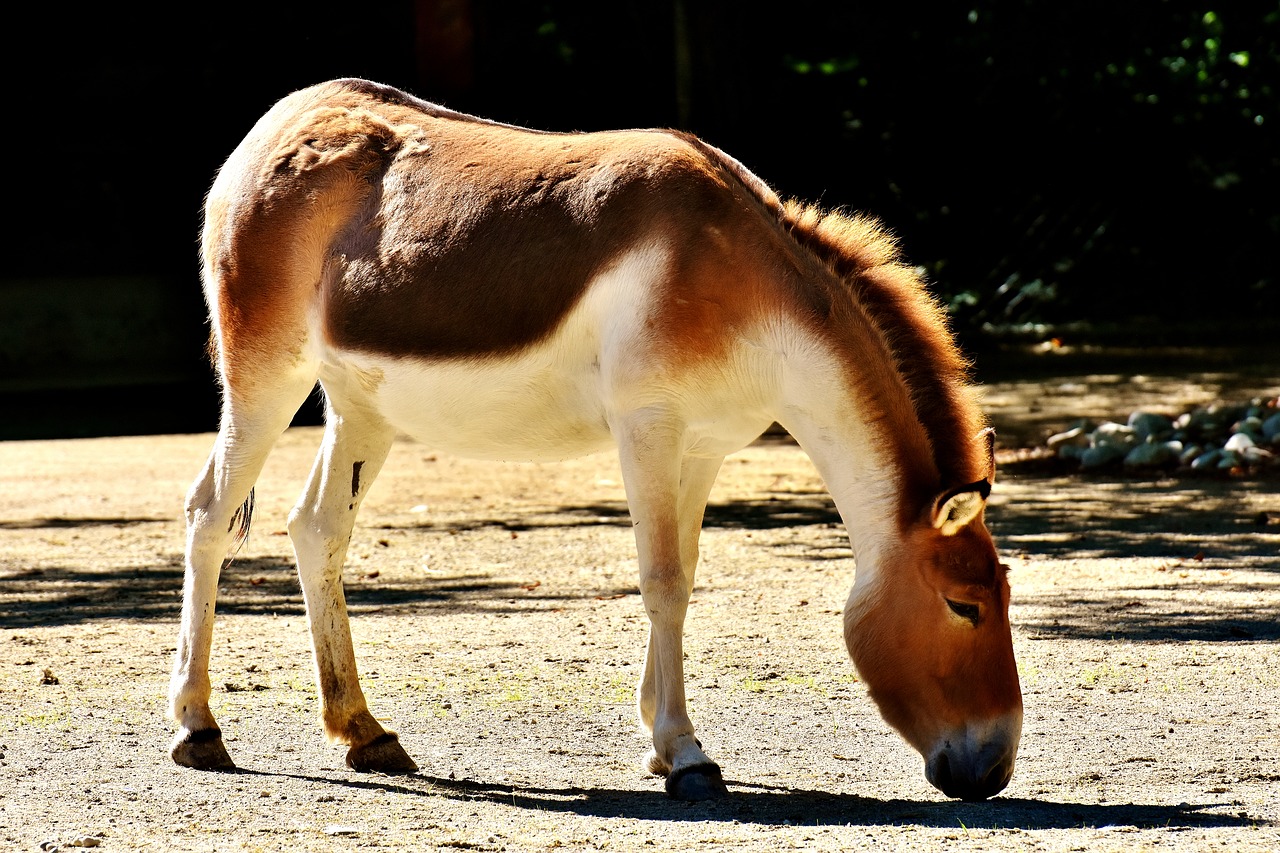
996 779
992 782
938 773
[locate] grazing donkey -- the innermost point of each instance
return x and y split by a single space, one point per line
503 293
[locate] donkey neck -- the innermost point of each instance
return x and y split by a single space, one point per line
849 435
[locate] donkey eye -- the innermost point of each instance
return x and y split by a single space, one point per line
964 611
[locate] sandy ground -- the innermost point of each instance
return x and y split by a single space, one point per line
500 632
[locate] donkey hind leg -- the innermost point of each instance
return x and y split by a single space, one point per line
650 452
320 525
217 510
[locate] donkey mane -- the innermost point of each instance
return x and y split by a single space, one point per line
913 324
864 257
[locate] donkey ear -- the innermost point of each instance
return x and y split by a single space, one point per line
988 438
957 507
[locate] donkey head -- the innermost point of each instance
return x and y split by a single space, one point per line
929 634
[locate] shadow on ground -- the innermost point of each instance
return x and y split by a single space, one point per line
766 805
1193 525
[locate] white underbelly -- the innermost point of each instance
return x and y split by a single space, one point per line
509 409
524 409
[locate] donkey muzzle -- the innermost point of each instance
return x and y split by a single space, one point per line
975 768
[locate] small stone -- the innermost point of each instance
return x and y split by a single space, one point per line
1077 437
1207 460
1189 453
1113 434
1101 455
85 841
1271 428
1071 451
1150 424
1251 427
1212 420
1220 436
1153 455
1254 456
1239 442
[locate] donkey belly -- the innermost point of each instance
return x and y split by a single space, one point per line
520 409
506 409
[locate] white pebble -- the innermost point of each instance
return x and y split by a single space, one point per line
1114 435
1256 455
1078 437
1238 442
335 829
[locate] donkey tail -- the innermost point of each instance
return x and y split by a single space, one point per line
241 522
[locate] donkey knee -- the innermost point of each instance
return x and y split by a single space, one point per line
665 591
319 540
201 495
199 498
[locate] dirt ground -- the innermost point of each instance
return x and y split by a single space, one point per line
500 632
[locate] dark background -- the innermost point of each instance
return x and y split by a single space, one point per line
1086 171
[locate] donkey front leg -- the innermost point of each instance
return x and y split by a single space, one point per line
650 453
320 527
697 476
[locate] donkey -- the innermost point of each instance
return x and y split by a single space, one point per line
503 293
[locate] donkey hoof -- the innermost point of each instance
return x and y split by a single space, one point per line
202 749
697 782
383 754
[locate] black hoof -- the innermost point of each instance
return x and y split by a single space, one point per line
697 782
202 750
383 754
